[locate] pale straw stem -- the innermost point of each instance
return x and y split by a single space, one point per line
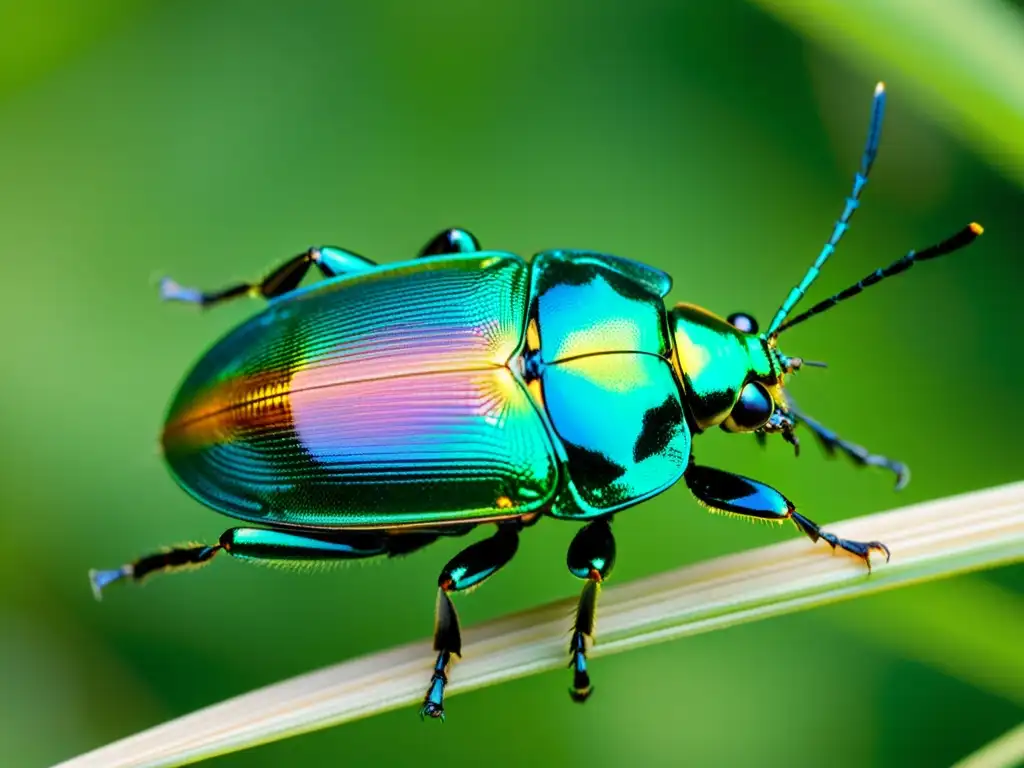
932 540
1005 752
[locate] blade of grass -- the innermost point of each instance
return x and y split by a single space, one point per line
974 619
929 541
965 56
1005 752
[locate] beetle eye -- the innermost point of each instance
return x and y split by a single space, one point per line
751 411
741 321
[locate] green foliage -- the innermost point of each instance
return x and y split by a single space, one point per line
963 61
208 140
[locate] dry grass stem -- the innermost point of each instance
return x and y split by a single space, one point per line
1005 752
928 541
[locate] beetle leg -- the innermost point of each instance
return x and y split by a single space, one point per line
269 545
450 241
468 569
591 556
860 455
176 559
738 495
331 262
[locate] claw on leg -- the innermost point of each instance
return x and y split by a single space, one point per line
176 559
433 703
100 579
861 549
171 290
740 495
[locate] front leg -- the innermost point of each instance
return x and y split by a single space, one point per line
738 495
860 455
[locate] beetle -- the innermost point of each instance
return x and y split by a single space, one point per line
384 407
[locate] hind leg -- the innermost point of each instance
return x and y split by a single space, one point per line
468 569
269 545
330 261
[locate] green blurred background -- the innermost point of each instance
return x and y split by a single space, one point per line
209 140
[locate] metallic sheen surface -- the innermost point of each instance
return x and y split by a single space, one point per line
620 420
269 546
607 383
727 492
588 303
457 389
716 360
376 400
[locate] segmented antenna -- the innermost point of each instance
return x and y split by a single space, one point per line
852 203
961 239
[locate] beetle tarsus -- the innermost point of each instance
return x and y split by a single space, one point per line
902 474
430 709
580 695
581 687
171 290
861 549
433 702
179 558
100 579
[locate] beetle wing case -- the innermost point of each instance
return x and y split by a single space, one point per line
382 399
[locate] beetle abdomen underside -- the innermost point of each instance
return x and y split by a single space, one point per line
378 400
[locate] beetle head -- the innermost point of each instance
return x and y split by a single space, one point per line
733 376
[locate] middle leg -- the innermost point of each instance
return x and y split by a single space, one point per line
591 556
467 570
450 241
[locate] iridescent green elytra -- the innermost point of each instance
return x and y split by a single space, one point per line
387 406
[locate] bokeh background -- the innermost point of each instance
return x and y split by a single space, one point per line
209 139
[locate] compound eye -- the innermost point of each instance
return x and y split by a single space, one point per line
741 321
752 410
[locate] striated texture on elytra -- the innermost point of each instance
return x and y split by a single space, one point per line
378 400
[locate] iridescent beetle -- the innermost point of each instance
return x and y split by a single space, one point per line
387 406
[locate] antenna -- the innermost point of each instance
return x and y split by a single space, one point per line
852 203
961 239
